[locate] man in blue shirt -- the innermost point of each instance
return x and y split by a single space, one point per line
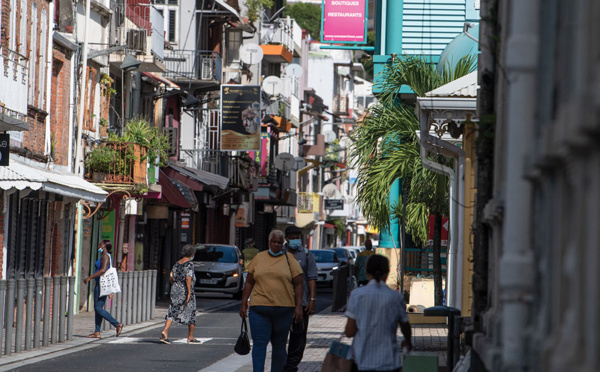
293 237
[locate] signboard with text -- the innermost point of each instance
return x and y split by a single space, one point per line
4 149
334 204
240 117
344 21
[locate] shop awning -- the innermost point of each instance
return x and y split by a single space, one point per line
160 79
170 193
196 178
20 176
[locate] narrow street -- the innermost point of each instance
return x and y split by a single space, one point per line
140 350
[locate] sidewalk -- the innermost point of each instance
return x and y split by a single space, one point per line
325 327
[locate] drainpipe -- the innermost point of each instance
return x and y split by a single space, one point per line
82 84
517 268
457 196
49 59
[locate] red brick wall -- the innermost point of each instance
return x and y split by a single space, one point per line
59 104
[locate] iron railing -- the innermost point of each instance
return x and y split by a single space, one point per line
117 163
193 65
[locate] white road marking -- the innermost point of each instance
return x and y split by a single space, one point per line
135 340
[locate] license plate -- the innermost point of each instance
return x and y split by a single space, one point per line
208 281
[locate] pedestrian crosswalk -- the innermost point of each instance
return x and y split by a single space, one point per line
137 340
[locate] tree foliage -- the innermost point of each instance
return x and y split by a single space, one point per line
386 147
308 16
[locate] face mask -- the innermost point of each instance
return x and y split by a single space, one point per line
295 244
100 250
275 254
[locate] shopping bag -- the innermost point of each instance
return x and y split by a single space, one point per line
242 345
338 359
109 282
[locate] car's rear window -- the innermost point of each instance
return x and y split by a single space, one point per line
207 253
324 256
341 252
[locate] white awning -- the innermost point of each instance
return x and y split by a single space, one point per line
19 175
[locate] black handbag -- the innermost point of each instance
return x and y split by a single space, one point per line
242 345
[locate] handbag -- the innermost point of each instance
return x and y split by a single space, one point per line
338 359
242 345
109 281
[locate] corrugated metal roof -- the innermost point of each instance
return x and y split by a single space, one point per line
207 178
465 86
20 176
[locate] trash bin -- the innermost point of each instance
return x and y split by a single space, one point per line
453 315
340 287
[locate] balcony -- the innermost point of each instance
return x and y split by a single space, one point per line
198 68
308 208
117 165
140 27
277 42
340 104
236 168
14 76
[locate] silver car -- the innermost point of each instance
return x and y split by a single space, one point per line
219 268
327 261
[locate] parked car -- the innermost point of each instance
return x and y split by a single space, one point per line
355 250
344 255
327 261
219 268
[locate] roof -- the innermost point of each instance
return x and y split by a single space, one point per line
19 175
465 86
207 178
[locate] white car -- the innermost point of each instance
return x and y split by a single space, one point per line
327 261
219 268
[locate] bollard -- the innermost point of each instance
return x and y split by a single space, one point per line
118 297
452 313
340 287
29 312
70 308
136 286
37 317
113 305
55 306
10 313
47 297
124 291
2 313
19 327
62 309
130 297
140 289
145 297
153 294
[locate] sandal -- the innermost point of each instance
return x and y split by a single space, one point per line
164 339
194 341
119 329
94 335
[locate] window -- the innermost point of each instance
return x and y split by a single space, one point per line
42 53
33 55
23 29
170 14
234 42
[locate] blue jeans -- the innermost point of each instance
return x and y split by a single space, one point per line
99 309
269 323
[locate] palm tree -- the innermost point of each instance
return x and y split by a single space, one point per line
386 147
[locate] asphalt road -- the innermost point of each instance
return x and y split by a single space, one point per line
142 351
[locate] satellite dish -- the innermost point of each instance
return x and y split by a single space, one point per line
345 142
329 190
300 163
272 85
329 136
285 161
251 53
294 70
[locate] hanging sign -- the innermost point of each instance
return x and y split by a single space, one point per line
4 149
240 117
344 21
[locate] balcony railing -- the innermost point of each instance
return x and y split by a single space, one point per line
340 104
278 33
122 163
193 65
140 26
14 75
235 168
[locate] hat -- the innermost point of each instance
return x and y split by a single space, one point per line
293 229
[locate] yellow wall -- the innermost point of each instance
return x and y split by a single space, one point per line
469 137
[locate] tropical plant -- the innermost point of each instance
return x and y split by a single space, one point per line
308 17
386 147
101 159
138 130
254 7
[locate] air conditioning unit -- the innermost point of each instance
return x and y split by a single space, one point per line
206 72
136 39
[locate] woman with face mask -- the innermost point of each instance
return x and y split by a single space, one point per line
275 281
104 263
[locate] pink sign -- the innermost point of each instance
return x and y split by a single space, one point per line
344 21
